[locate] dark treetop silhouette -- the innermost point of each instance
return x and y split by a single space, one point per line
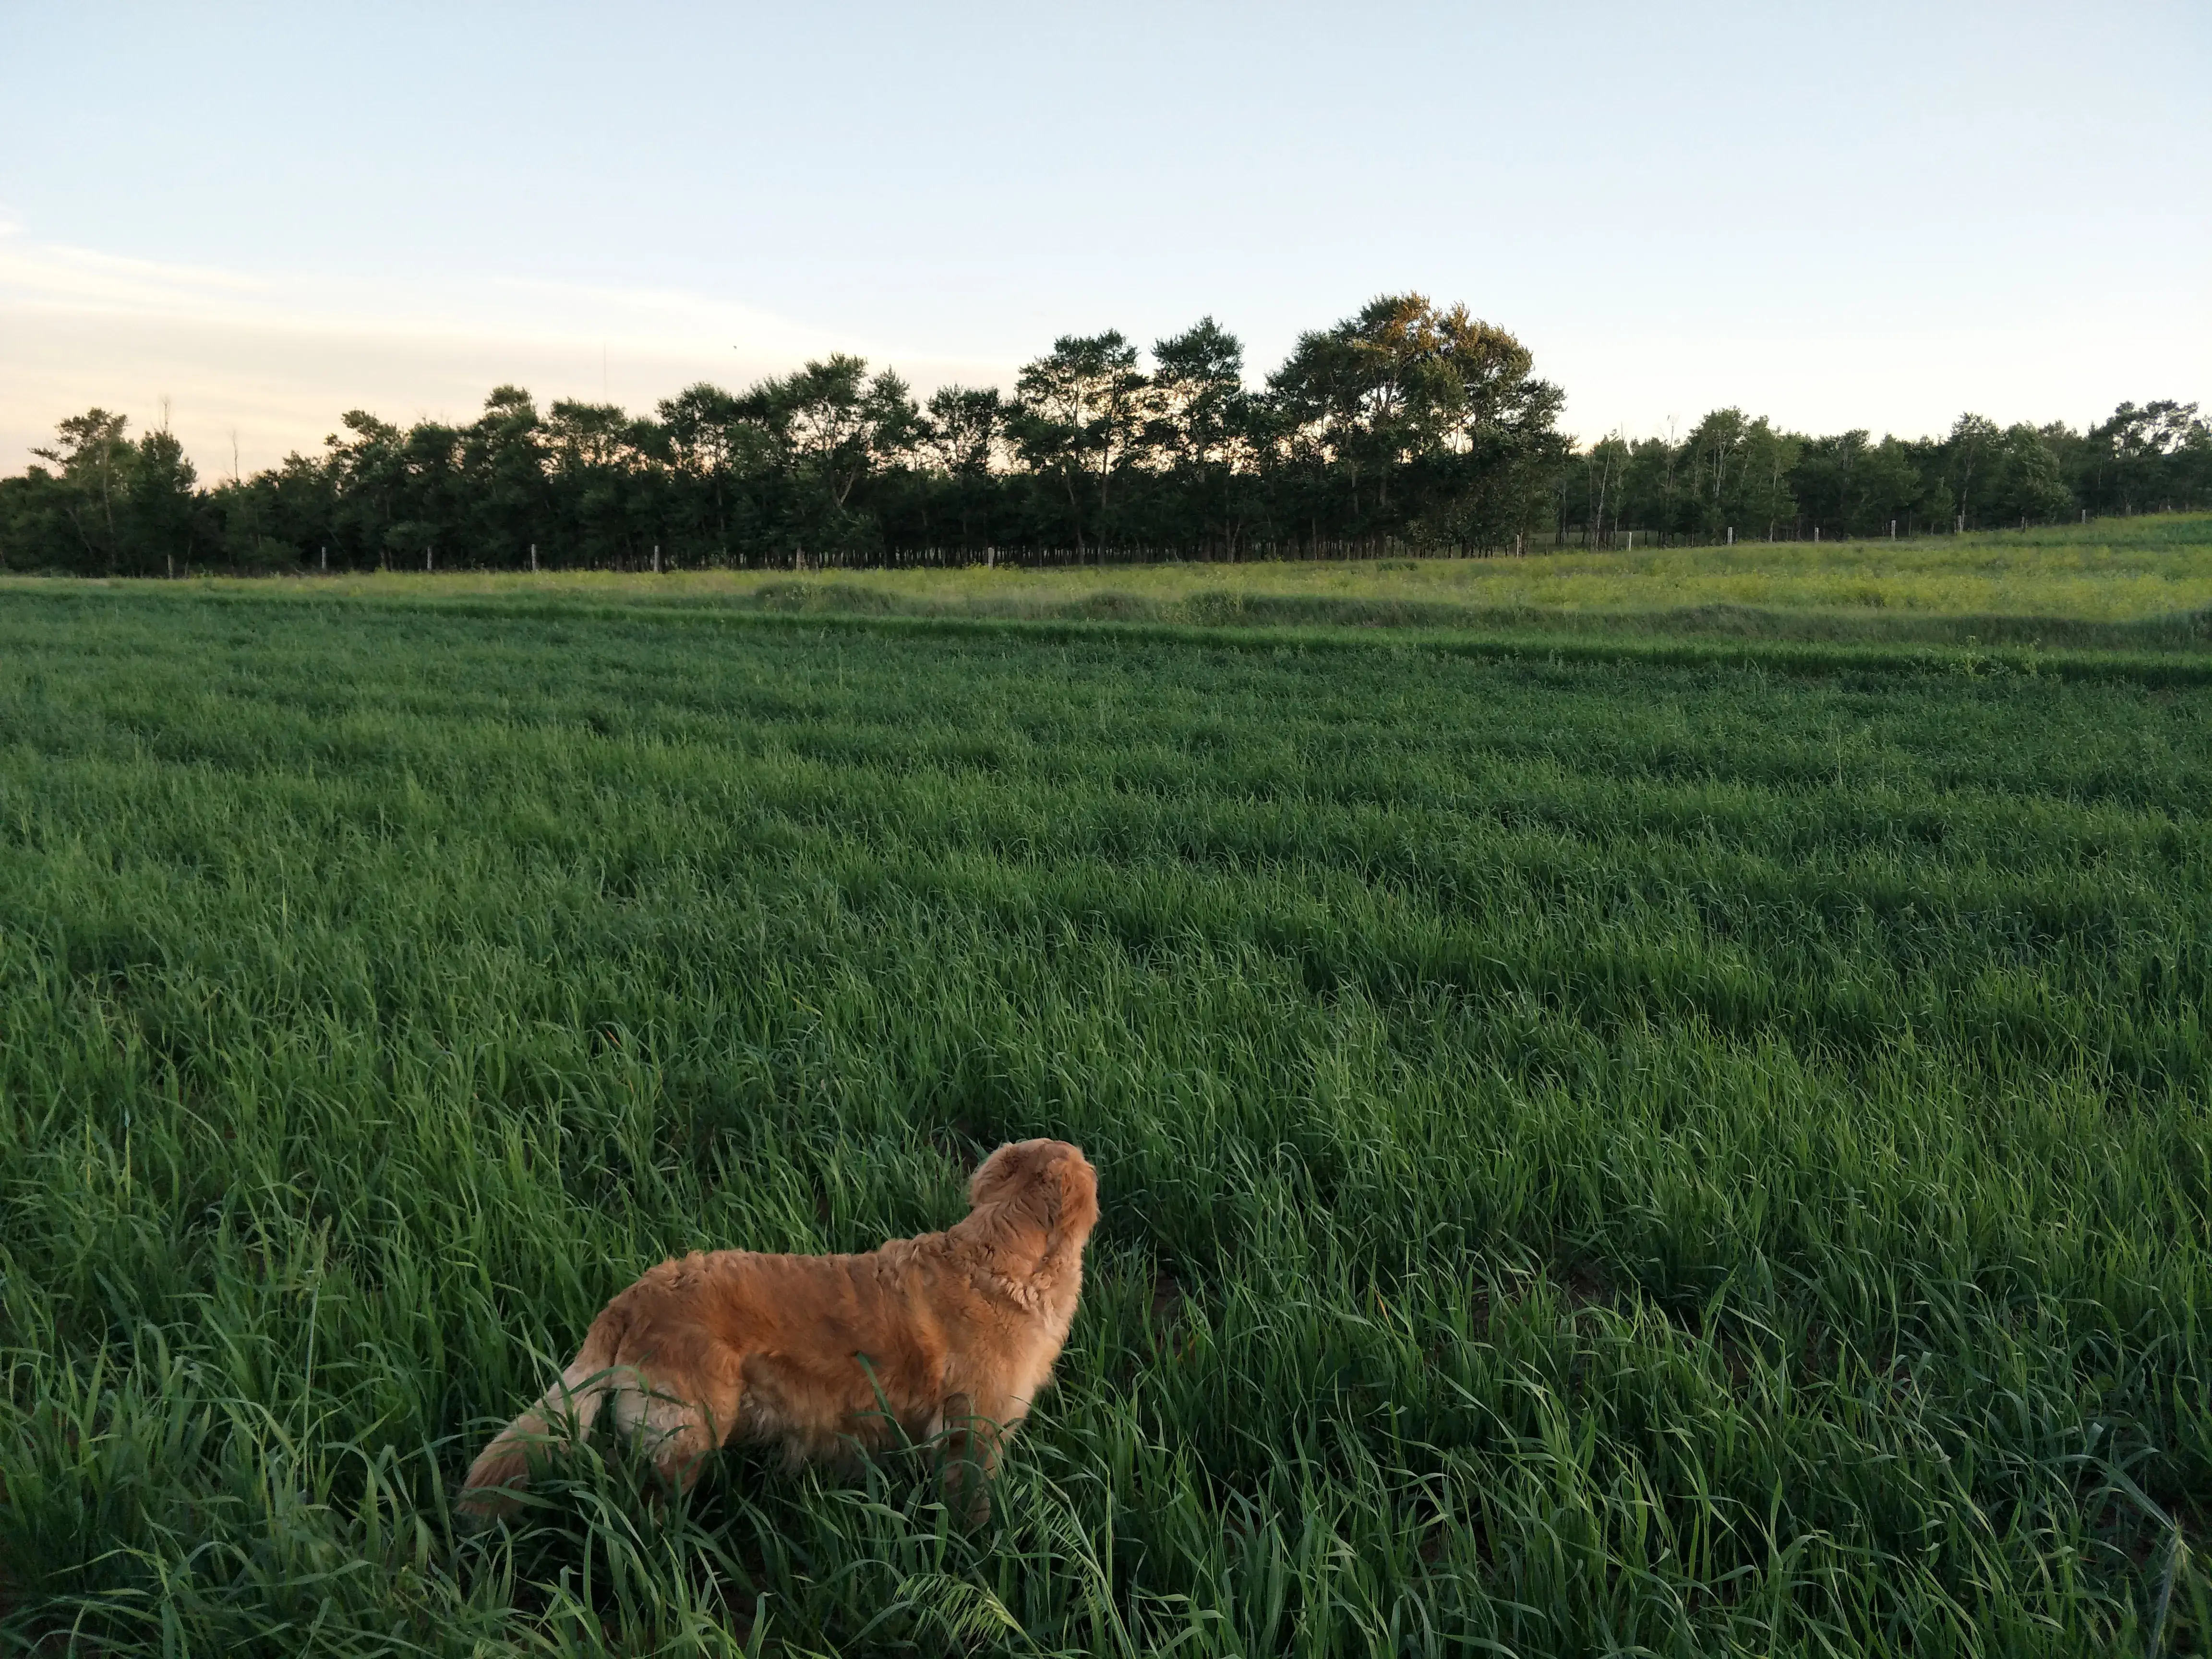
1409 426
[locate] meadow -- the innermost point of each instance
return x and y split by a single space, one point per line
1602 1152
2114 583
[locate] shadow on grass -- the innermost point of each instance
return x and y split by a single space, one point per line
2189 630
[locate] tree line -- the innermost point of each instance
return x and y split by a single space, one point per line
1409 426
1732 476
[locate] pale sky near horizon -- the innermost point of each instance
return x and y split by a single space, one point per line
1841 216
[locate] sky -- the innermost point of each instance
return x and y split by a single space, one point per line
254 218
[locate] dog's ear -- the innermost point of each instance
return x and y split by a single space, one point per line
995 1174
1056 1187
1072 1188
1049 1180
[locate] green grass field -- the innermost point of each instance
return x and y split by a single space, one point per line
1633 1150
2126 583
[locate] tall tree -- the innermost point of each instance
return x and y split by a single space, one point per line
603 472
2134 469
1969 459
723 458
370 468
960 433
94 458
503 468
1200 433
1715 450
2025 484
837 424
1197 416
115 506
960 437
1078 412
1391 393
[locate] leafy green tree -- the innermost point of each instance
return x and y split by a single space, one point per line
1078 412
95 458
35 530
1737 477
1739 474
370 473
249 541
1763 499
503 467
1971 456
298 502
959 439
114 506
1591 489
437 494
1715 449
1198 416
1849 485
962 431
2025 483
1422 397
161 513
1202 437
604 474
1893 490
1831 482
724 462
2147 458
1652 486
837 424
833 426
2189 466
1387 387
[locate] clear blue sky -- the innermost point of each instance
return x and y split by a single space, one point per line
1842 216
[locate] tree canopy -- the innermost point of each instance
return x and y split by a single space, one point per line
1734 474
1410 426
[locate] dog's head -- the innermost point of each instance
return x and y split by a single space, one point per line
1049 1181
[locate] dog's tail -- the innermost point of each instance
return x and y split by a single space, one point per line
563 1411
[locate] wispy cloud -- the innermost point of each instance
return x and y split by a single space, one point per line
57 276
274 359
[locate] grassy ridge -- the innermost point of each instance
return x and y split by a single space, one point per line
1703 1153
2126 584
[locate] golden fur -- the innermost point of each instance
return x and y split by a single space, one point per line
951 1334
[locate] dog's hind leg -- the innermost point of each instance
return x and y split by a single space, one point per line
678 1422
563 1413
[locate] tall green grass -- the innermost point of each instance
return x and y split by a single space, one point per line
1600 1155
2142 583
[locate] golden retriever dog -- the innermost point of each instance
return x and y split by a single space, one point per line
951 1334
